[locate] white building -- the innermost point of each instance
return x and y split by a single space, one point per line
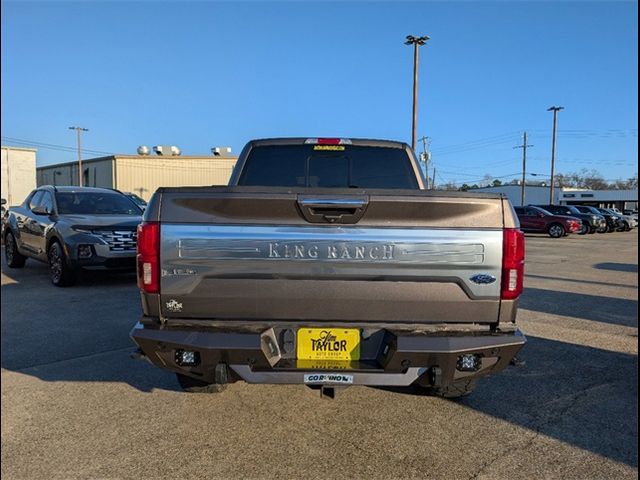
621 199
18 173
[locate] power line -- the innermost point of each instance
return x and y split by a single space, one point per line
480 140
51 146
475 145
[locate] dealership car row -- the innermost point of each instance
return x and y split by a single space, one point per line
561 220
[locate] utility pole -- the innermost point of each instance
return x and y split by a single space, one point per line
416 42
555 111
433 179
524 166
78 130
426 157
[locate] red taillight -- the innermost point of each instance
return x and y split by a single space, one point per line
148 257
512 264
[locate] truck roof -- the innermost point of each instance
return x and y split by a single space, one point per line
366 142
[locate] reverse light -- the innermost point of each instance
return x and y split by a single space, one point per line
512 264
148 257
187 358
468 362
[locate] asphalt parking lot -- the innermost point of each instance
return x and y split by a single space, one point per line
74 405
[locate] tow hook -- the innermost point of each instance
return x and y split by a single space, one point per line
517 362
221 373
137 354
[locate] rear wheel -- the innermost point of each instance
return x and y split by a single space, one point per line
556 230
193 385
11 254
60 272
458 389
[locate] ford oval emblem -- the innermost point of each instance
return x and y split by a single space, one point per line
483 279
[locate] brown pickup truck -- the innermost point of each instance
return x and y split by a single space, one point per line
325 262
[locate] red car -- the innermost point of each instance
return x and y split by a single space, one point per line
536 219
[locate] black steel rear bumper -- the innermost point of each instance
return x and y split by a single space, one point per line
388 357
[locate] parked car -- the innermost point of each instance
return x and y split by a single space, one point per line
326 263
590 221
537 220
613 221
3 213
137 200
625 222
73 228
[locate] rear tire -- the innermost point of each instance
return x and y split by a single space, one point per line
556 230
61 274
458 389
193 385
12 256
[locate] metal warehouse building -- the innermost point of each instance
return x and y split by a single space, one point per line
534 195
18 173
141 174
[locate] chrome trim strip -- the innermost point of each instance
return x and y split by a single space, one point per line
359 378
331 201
338 252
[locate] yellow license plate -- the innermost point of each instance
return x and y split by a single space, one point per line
329 344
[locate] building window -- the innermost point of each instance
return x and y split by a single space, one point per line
569 195
586 195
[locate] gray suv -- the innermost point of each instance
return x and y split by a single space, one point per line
73 228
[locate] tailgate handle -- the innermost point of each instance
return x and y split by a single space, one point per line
333 210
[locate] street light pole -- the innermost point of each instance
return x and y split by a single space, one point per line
78 130
416 42
555 111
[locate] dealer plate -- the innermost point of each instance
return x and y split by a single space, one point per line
329 344
324 378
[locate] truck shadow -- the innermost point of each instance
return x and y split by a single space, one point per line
617 267
612 310
584 396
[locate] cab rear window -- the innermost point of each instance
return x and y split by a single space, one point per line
346 166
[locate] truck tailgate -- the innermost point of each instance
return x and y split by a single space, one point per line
315 255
